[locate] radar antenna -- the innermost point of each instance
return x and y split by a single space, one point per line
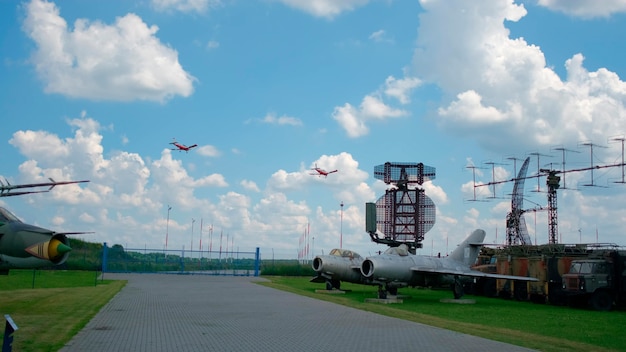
516 230
404 214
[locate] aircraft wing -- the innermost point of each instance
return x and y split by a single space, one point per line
74 233
11 194
6 189
469 272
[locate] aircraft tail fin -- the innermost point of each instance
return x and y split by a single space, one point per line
468 250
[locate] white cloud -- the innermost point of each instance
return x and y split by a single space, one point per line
348 118
380 36
354 120
250 185
212 44
401 88
348 175
586 8
373 107
209 150
185 5
496 85
282 120
325 8
124 61
469 106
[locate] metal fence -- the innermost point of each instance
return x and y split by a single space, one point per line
120 260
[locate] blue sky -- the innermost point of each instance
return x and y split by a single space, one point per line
270 88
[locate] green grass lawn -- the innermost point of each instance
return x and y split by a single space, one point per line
60 305
538 326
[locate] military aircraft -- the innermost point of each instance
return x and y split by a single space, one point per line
339 265
396 267
182 147
321 172
8 190
26 246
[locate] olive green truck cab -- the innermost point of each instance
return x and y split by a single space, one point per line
598 281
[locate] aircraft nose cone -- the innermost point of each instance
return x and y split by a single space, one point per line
57 248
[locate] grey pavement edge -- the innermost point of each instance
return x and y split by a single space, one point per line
158 312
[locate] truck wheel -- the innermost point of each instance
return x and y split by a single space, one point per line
520 291
601 300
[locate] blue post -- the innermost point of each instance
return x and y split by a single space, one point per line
257 262
182 261
104 258
10 328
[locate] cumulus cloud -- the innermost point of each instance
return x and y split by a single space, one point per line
281 120
493 84
401 88
380 36
212 44
123 61
209 150
585 9
324 8
250 185
185 5
348 173
349 118
353 120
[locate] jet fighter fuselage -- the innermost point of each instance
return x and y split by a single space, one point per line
24 246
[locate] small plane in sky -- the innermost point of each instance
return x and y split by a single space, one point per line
339 265
396 267
181 147
321 172
8 190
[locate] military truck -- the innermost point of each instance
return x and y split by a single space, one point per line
598 280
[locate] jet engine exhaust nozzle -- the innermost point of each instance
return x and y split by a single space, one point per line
367 268
317 264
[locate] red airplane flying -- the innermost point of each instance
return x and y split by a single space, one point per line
321 172
182 147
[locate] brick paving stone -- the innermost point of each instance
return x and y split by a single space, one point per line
158 312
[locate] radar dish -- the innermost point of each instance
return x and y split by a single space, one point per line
405 216
404 173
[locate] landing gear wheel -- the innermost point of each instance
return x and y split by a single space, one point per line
382 294
331 284
392 291
457 289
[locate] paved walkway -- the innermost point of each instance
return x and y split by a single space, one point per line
157 312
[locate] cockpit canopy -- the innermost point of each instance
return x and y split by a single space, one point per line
7 216
346 253
401 250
